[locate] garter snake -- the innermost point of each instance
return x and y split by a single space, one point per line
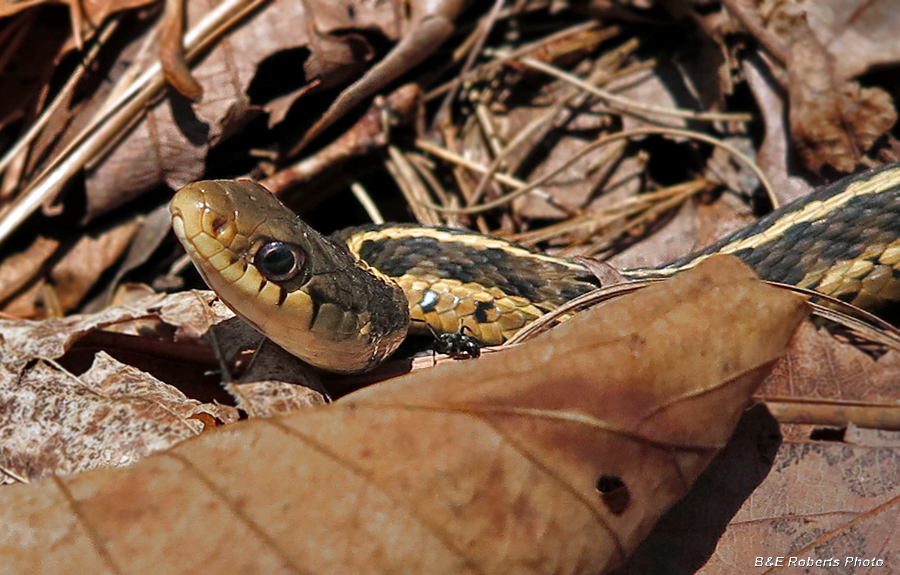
344 303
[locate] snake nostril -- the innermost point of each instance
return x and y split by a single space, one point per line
218 224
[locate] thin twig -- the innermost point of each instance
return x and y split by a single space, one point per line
626 208
487 25
685 191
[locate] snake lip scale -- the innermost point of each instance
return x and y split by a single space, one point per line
345 303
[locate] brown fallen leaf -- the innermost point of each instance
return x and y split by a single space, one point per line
823 381
22 90
18 271
486 466
859 34
86 16
774 156
833 123
74 268
829 502
78 270
237 84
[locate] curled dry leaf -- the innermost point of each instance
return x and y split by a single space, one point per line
55 422
24 341
485 466
833 123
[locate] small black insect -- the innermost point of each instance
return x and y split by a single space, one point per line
458 345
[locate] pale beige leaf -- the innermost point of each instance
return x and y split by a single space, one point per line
268 398
54 423
859 34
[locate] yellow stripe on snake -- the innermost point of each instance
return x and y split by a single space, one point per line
344 303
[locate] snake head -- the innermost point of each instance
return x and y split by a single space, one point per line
304 291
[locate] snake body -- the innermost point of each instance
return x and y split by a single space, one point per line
345 303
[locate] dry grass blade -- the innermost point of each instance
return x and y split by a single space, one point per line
625 104
65 92
523 188
593 222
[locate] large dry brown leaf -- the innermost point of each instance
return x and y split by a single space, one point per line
685 537
485 466
810 499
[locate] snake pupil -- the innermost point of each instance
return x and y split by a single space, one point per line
278 261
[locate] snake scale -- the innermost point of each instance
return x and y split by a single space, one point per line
344 303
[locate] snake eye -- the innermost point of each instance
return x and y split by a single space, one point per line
279 261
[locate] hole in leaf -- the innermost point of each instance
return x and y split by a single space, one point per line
827 434
613 493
